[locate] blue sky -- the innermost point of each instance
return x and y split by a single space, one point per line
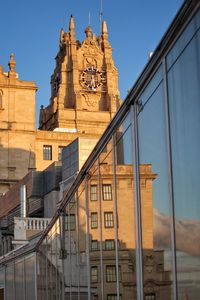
31 29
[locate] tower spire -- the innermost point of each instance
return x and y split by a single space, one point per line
72 28
101 14
104 31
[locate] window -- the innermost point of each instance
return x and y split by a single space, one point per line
94 220
109 244
108 220
70 222
94 274
111 275
47 152
93 192
150 296
113 297
107 192
94 245
60 149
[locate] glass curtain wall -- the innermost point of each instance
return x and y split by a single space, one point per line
131 228
20 278
49 264
183 74
168 119
124 204
154 191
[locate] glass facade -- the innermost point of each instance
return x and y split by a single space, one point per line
137 196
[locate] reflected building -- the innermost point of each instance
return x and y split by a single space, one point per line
126 225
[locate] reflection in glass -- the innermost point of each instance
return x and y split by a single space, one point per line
19 280
30 277
184 97
116 173
9 281
155 205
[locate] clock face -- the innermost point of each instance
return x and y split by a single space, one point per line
92 79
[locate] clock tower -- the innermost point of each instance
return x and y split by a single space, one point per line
84 85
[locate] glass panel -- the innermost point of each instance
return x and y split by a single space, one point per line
30 275
106 212
96 254
155 205
184 39
42 270
184 96
116 210
19 280
2 277
125 215
75 246
10 282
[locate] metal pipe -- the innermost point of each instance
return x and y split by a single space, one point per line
115 216
77 243
137 203
101 235
87 236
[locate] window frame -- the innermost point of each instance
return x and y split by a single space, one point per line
94 248
107 191
108 223
60 153
69 221
106 244
92 193
113 297
93 222
94 277
150 296
47 152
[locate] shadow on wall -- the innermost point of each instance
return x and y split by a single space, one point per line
15 163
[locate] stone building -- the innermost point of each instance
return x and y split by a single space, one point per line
84 98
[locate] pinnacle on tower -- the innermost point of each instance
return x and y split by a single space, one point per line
12 62
61 35
88 32
72 28
11 65
104 30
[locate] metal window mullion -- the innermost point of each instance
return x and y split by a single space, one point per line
14 284
115 215
101 234
69 248
170 178
46 279
56 257
77 243
51 269
36 272
62 248
24 279
137 204
87 237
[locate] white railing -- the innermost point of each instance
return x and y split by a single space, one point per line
31 223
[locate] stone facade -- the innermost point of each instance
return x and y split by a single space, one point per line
84 84
84 98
